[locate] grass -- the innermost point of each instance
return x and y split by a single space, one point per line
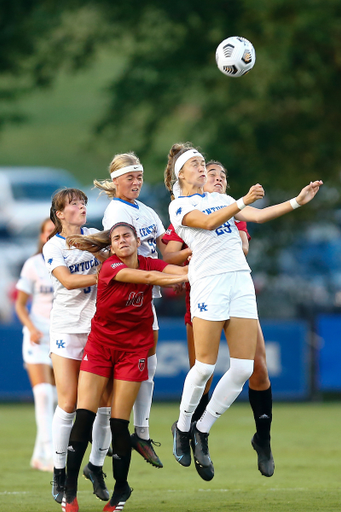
305 443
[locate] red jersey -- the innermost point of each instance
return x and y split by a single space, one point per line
124 316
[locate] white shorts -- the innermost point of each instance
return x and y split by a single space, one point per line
155 323
224 296
70 346
34 353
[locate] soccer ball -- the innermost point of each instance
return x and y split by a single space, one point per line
235 56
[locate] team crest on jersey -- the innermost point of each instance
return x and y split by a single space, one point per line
50 261
115 265
178 211
142 364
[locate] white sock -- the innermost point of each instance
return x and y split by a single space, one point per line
143 402
225 392
43 407
101 436
61 428
194 386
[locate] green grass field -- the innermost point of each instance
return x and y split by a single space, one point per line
306 446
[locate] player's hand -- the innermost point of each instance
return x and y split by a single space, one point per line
309 192
35 337
256 192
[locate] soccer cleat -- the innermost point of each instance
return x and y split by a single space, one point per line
266 463
181 448
58 484
69 502
118 500
146 449
97 480
201 455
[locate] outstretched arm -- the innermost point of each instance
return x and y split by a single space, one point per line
198 219
250 214
172 274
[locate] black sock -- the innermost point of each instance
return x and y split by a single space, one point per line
77 445
200 407
261 403
121 446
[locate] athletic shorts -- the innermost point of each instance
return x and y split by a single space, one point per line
108 361
155 322
70 346
34 353
223 296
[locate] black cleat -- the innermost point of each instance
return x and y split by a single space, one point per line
146 449
58 484
118 499
97 480
201 455
181 448
266 463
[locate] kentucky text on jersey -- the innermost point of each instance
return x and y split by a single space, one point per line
214 209
84 265
148 230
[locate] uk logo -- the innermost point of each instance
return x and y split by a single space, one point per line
60 343
178 211
142 364
202 307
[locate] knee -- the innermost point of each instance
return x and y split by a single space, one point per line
260 377
204 370
152 363
241 369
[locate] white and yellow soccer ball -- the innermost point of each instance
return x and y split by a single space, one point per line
235 56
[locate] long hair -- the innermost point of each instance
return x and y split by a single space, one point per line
59 201
120 160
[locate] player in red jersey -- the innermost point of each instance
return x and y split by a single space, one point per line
121 335
260 395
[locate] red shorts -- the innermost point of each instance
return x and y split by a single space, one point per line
107 361
188 319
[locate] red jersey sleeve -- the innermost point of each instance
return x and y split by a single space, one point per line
110 268
242 226
171 236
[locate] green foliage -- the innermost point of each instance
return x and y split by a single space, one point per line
278 125
305 440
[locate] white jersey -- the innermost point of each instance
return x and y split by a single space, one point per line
147 223
213 252
36 281
72 310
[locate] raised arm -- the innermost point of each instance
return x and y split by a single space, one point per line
172 274
250 214
198 219
74 281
